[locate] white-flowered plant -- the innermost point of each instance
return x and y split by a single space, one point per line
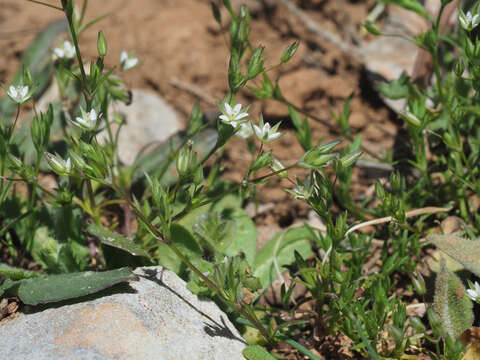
88 121
474 293
66 51
59 165
468 21
233 115
19 93
265 132
127 60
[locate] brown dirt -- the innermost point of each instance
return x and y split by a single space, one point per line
178 39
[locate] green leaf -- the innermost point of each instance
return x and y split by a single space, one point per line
256 352
451 303
111 238
14 273
188 246
7 285
412 5
465 251
279 251
244 234
68 286
396 89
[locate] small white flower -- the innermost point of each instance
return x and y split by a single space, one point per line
265 133
88 121
233 115
468 21
474 293
127 61
66 51
58 165
245 130
19 93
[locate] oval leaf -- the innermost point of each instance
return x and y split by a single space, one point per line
67 286
111 238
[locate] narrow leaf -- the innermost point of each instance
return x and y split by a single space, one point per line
14 273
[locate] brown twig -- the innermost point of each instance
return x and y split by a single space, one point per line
411 213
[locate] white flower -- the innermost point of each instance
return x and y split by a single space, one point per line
66 51
468 21
266 133
474 293
58 165
19 93
127 60
233 115
245 130
88 121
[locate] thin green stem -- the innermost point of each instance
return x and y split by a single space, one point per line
45 4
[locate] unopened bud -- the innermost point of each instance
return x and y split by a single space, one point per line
58 165
101 44
411 119
372 28
185 160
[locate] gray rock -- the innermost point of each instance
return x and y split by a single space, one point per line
149 119
158 319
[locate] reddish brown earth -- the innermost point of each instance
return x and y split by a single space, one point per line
178 42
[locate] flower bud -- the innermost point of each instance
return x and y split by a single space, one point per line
15 162
58 165
185 160
276 165
101 44
459 67
349 159
372 28
418 283
411 119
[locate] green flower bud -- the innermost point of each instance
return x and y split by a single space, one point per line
276 165
372 28
101 44
459 67
58 165
395 333
417 324
15 162
418 283
411 119
349 159
185 160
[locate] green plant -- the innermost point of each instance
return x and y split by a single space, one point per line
191 220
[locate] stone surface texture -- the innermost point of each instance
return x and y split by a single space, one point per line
158 319
149 119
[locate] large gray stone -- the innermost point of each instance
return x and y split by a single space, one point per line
149 119
158 319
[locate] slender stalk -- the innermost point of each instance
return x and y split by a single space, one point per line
45 4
